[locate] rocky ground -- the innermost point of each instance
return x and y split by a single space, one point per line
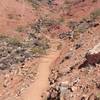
26 30
18 60
76 74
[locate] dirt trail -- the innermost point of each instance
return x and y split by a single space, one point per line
41 83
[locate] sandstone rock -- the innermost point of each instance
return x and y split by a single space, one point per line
93 55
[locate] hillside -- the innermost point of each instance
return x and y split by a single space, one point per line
50 50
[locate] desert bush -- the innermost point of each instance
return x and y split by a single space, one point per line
43 24
34 3
72 24
14 51
59 46
14 41
80 26
98 96
20 29
95 14
40 47
37 50
2 36
61 20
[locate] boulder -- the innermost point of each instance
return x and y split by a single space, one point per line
93 55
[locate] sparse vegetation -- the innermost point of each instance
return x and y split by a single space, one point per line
2 36
47 42
61 20
20 29
95 14
14 42
80 27
98 96
37 50
72 24
43 24
14 51
34 3
59 46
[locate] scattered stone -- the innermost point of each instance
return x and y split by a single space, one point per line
54 94
65 35
77 46
67 56
65 89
